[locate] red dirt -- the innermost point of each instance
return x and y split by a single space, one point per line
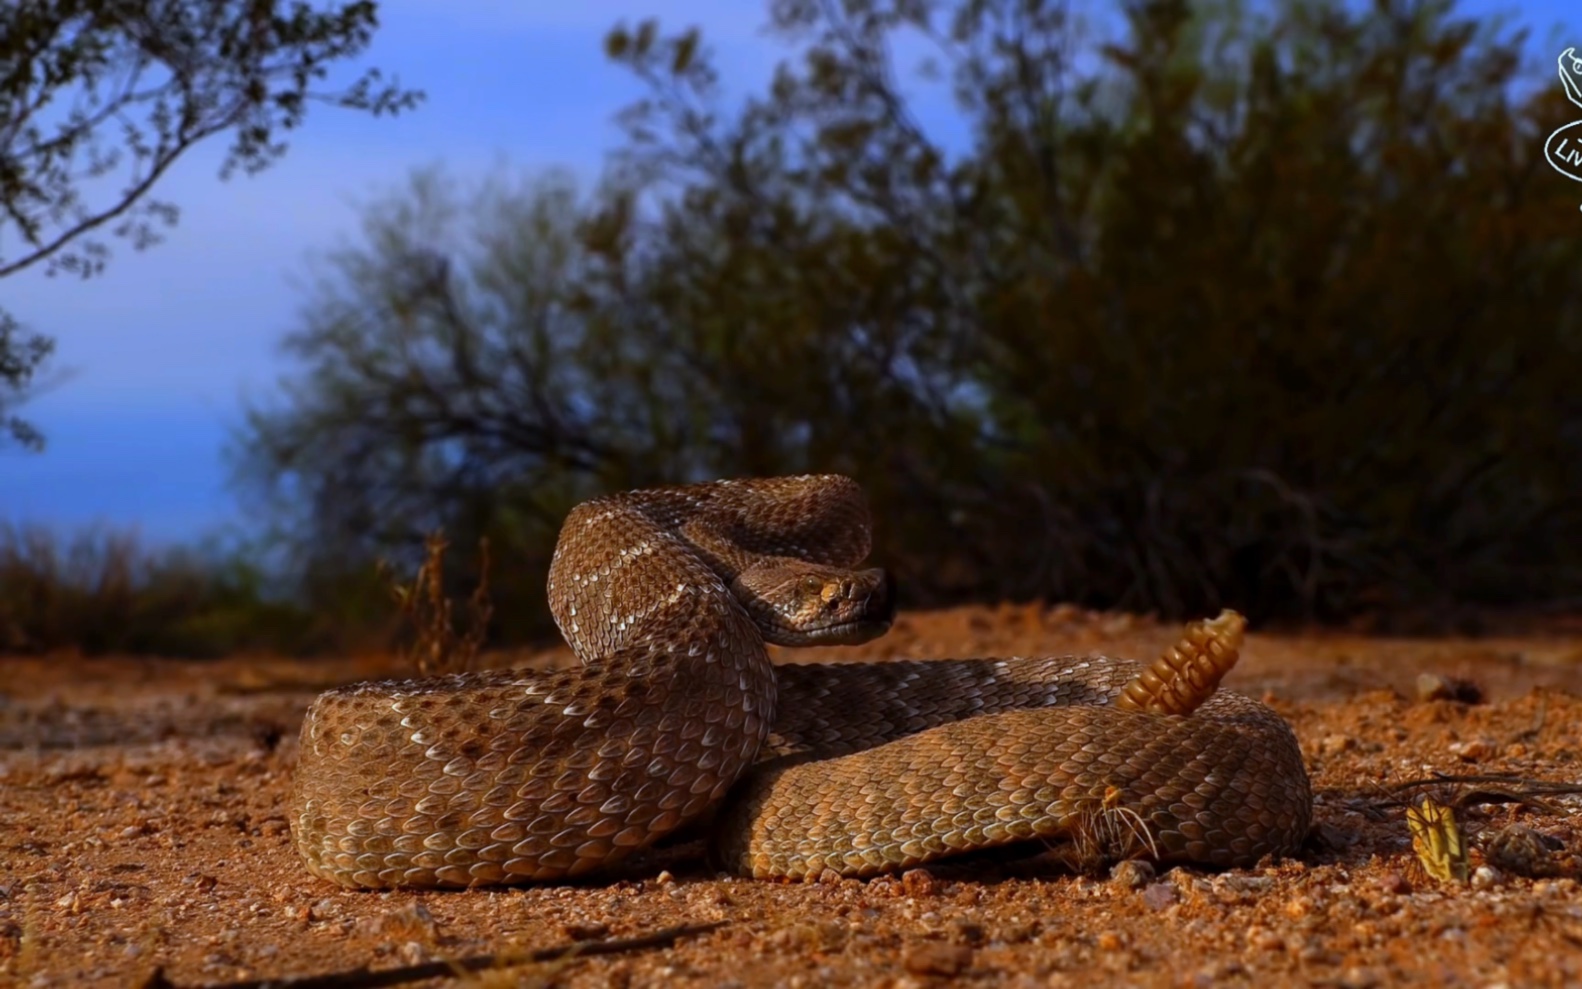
143 827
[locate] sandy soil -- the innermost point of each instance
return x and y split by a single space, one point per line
143 830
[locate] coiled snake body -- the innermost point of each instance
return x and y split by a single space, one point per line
667 596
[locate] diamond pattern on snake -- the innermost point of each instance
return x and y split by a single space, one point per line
676 715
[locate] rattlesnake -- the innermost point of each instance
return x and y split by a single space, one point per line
667 596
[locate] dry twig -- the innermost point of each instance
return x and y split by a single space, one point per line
436 646
362 978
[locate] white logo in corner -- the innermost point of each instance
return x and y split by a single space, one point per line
1564 147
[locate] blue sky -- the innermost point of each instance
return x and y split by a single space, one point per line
162 347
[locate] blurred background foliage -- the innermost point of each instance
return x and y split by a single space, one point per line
1266 306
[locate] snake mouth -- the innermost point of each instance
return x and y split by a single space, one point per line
849 633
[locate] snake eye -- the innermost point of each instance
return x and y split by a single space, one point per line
812 585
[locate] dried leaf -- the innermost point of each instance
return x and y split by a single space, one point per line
1438 841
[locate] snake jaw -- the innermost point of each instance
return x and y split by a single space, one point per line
846 634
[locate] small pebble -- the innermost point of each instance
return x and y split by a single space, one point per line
1486 877
1523 851
935 958
919 882
1264 939
1336 744
1160 896
1110 941
325 909
1247 884
1436 687
1472 749
1133 874
969 932
1357 977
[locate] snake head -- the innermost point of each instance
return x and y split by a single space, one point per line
797 603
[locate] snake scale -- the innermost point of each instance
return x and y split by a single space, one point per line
668 596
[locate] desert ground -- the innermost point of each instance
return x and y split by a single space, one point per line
144 841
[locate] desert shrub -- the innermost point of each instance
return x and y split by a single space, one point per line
100 591
1267 306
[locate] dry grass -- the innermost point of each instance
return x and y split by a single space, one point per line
100 590
436 646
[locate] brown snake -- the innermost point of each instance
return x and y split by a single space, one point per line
667 596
